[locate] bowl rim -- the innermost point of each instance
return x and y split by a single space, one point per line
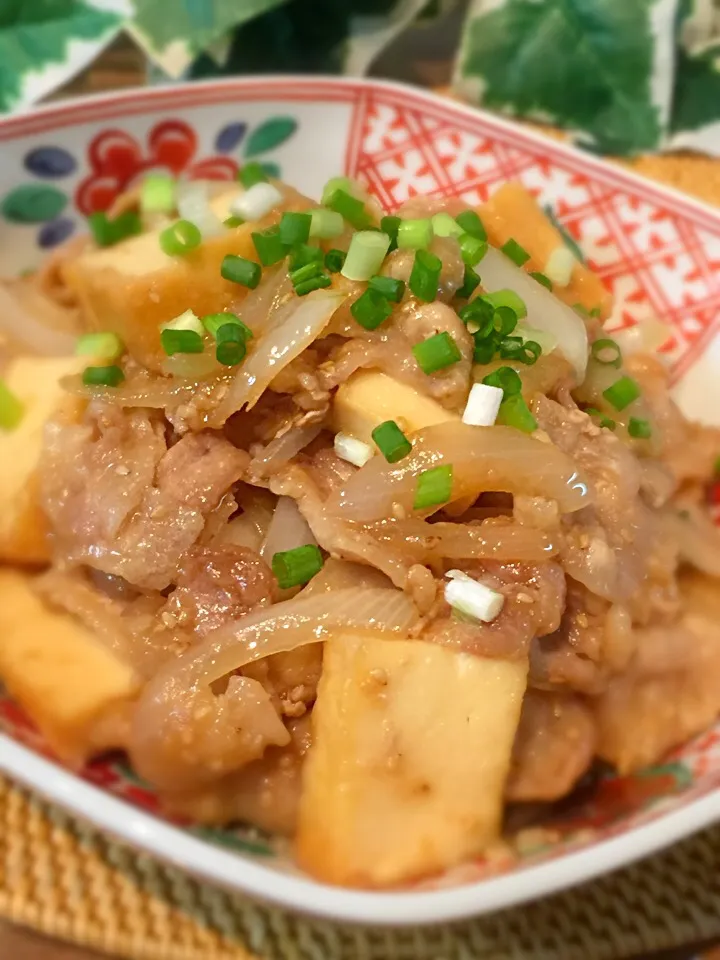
294 891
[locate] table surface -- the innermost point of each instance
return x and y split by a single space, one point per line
122 66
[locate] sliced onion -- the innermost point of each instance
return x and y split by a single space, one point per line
23 326
251 527
429 542
282 449
483 459
294 328
193 204
288 529
293 623
544 311
259 307
191 366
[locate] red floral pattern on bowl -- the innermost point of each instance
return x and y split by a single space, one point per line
118 161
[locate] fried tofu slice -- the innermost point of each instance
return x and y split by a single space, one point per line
62 676
410 752
36 382
132 288
513 213
369 397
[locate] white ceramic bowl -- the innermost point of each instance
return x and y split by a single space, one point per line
657 250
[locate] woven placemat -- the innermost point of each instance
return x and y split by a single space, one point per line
63 878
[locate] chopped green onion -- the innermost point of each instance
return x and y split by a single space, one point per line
514 412
104 346
157 194
391 441
325 224
530 353
110 376
251 174
185 321
314 283
603 421
239 270
639 429
484 351
233 221
444 226
293 568
470 284
306 272
213 321
365 255
622 393
349 207
479 316
472 250
305 253
106 232
11 408
295 228
472 224
425 275
607 352
180 238
515 252
716 467
541 278
434 486
596 312
509 348
371 309
339 183
390 226
388 287
270 248
415 234
437 352
507 379
507 298
180 341
308 278
334 260
230 344
579 308
504 321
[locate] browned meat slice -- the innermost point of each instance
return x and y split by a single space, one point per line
120 501
672 690
554 746
266 793
606 543
594 641
215 584
535 598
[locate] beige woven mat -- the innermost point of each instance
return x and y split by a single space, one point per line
63 878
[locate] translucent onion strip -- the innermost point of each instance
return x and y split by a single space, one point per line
429 542
293 623
294 328
483 459
544 311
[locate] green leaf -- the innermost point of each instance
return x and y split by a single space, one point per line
269 135
696 103
174 32
39 47
583 64
33 203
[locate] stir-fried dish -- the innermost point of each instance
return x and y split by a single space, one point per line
355 527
